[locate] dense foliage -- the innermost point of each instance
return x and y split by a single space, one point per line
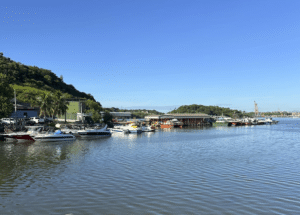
52 104
107 119
276 113
94 108
6 94
33 78
210 110
136 113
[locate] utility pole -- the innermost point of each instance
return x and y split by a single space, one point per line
81 113
15 107
15 102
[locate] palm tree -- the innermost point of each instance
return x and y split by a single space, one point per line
45 103
60 105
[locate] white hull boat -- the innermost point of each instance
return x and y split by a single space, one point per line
71 131
24 136
147 129
103 132
57 136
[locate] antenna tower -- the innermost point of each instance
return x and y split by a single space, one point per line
256 109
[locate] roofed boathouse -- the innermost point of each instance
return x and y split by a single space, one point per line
188 119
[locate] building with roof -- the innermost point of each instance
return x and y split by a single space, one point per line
187 119
24 110
75 111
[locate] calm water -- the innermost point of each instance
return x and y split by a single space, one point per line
235 170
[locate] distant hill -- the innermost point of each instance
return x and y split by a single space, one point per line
32 78
210 110
138 113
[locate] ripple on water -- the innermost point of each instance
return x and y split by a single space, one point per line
245 170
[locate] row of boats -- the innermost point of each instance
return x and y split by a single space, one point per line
222 121
41 133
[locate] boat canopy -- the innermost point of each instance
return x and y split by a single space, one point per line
58 132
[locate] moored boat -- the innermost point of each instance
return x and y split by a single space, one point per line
56 136
174 123
132 129
95 132
147 129
221 122
25 135
270 121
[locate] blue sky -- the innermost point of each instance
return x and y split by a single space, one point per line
163 54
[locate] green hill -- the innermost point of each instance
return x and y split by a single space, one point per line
138 113
28 81
210 110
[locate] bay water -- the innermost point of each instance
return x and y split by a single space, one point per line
210 170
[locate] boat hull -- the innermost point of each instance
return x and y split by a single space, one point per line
94 134
22 137
166 126
55 137
135 131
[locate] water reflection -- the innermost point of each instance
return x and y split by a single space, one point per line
238 170
18 160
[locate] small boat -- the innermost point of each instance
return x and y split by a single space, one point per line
254 121
72 130
56 136
95 132
220 121
118 128
246 121
174 123
147 129
131 129
27 135
270 121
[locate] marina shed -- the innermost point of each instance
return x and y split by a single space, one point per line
188 119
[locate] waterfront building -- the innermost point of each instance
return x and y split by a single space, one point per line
187 119
24 110
75 112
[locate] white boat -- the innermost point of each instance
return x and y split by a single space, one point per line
25 135
147 129
95 132
131 129
270 121
73 130
56 136
253 121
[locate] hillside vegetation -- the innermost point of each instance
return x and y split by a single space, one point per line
29 81
210 110
136 113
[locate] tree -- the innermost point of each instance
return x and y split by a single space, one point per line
94 108
45 102
6 94
60 104
107 119
48 78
